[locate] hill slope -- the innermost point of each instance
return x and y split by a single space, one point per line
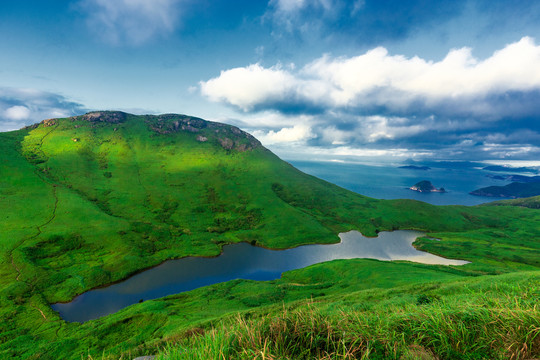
531 202
88 200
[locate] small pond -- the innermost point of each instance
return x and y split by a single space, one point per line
240 261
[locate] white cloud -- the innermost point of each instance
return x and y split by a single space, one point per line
367 129
380 127
275 128
371 152
297 133
17 113
131 21
270 119
20 107
377 79
378 103
246 87
515 163
334 136
503 151
347 153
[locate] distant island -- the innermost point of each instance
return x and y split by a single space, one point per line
513 190
515 178
510 169
425 186
415 167
521 186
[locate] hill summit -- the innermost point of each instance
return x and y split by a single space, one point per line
228 136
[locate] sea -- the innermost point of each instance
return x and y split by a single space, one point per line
391 181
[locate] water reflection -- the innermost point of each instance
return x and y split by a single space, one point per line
241 261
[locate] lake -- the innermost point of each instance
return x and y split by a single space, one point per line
240 261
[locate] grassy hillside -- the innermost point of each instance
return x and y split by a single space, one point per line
532 202
89 200
482 318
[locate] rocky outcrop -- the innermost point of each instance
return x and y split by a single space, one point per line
226 143
229 137
112 117
45 123
49 122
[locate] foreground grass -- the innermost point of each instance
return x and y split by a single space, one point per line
89 200
144 324
484 318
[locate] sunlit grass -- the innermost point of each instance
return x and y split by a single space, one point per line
482 321
84 204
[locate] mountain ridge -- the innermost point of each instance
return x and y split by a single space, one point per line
165 124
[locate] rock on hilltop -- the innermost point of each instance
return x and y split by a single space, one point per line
227 136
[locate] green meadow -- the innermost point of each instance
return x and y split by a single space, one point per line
89 200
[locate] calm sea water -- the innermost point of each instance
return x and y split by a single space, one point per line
392 182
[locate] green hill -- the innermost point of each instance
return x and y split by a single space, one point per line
531 202
88 200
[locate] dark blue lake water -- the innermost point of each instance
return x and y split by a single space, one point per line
240 261
392 182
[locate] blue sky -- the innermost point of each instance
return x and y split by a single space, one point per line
319 79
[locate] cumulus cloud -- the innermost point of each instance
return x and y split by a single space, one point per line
131 22
379 127
456 105
297 133
458 85
17 113
341 129
274 128
348 153
503 151
253 85
21 107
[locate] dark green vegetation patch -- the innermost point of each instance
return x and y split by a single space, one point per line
89 200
